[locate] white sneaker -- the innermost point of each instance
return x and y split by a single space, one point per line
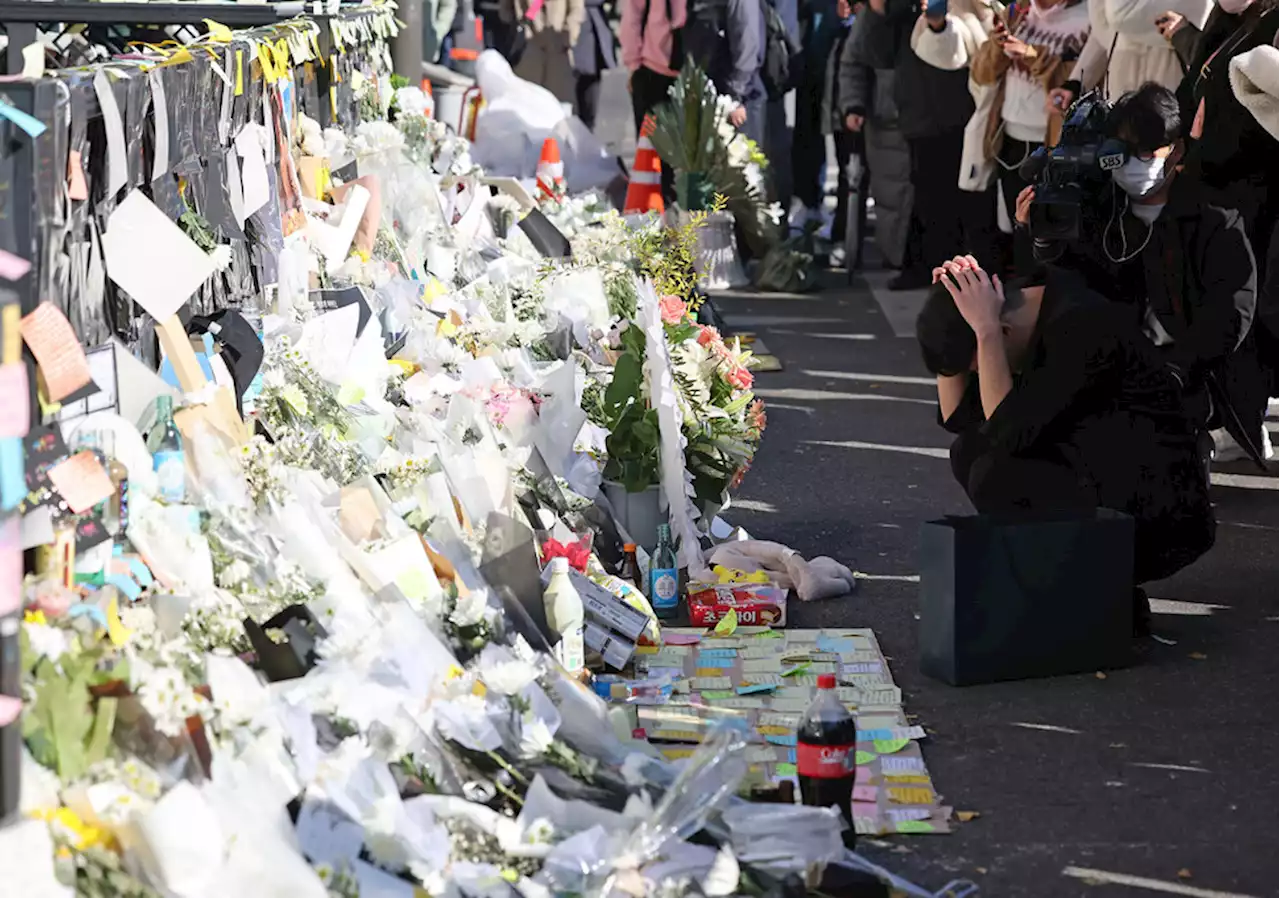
838 257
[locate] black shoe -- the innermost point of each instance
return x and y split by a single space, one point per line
910 280
1141 614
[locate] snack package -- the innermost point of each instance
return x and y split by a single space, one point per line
756 604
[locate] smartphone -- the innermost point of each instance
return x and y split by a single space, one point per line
936 9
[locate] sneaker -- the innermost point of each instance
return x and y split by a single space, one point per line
838 256
909 280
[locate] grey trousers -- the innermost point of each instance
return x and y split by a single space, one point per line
889 159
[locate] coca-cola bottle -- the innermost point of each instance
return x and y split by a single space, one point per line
825 752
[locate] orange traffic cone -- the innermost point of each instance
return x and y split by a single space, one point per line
550 170
644 193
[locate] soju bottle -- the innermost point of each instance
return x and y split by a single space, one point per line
168 459
664 576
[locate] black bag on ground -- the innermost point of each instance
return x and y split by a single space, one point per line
1009 598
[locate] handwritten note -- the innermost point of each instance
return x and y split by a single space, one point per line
82 481
910 794
702 684
15 407
57 350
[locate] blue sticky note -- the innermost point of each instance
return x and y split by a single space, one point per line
872 735
717 653
788 740
81 609
141 572
13 477
839 645
714 661
757 688
126 585
29 123
791 756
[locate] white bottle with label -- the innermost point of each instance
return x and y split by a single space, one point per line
564 615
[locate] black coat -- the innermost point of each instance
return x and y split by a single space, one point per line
1092 396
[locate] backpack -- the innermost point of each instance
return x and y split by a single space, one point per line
783 63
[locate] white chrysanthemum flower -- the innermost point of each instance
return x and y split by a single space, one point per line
234 574
540 832
508 677
535 737
46 641
470 608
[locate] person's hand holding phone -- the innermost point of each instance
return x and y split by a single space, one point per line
854 122
1058 101
738 117
1016 49
1170 23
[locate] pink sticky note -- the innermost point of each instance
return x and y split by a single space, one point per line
15 405
681 638
77 189
10 708
864 809
863 775
12 267
82 481
864 793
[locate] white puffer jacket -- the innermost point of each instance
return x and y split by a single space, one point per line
1141 54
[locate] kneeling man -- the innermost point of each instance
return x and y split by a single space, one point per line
1061 405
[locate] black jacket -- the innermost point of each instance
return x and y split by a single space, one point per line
1092 394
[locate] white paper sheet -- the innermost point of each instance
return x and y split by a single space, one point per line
253 167
150 258
113 124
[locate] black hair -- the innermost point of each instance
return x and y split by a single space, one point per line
1147 118
946 340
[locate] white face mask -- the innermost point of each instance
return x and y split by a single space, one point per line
1235 7
1140 177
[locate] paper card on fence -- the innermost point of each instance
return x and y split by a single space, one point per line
151 259
63 365
113 126
81 481
772 665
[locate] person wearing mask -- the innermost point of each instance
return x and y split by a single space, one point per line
546 31
1126 49
1060 405
1028 55
592 55
1180 264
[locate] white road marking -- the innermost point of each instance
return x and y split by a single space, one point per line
1185 609
819 395
1104 877
1048 727
866 337
753 505
901 578
1179 768
908 450
1244 481
874 378
774 406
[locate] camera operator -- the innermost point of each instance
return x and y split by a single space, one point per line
1182 264
1059 405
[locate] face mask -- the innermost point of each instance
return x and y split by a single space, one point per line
1140 177
1235 7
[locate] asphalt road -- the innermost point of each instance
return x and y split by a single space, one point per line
1166 770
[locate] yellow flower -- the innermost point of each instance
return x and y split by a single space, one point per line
34 617
80 834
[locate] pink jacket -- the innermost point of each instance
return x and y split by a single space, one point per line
652 49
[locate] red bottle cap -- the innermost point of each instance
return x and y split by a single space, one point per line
826 681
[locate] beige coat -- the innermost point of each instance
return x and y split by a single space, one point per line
551 33
1141 54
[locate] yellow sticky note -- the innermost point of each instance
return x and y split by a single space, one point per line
239 72
333 67
432 289
350 394
218 32
414 584
910 794
333 101
648 649
264 60
117 632
446 328
728 624
10 327
773 731
907 779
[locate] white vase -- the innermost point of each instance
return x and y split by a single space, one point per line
639 514
717 260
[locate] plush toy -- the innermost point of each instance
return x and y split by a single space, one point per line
819 578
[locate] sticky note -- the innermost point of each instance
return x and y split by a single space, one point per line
910 794
771 665
713 662
728 624
29 123
787 740
770 634
77 188
901 764
755 688
786 769
15 405
151 259
716 694
117 632
742 702
767 730
718 653
799 668
82 481
865 793
908 779
890 746
57 350
668 638
239 73
702 684
863 757
838 645
127 585
13 477
707 672
914 826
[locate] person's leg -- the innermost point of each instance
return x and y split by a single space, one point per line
777 147
1002 483
844 149
809 152
1012 154
648 91
586 97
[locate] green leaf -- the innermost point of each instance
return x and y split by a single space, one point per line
103 723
